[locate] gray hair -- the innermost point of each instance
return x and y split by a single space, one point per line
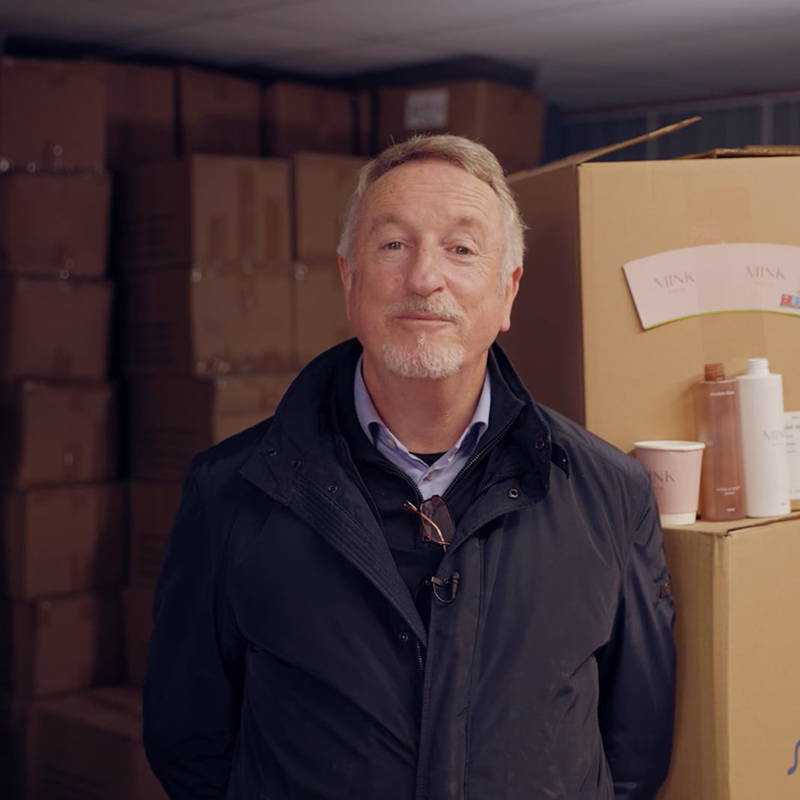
471 156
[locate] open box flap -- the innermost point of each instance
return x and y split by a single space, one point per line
589 155
748 151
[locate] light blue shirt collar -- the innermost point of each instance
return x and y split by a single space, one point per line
433 479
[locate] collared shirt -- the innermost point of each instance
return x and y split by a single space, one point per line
433 479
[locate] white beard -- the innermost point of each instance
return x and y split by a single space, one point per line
424 359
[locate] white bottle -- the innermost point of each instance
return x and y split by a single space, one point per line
764 460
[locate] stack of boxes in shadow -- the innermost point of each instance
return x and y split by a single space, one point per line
62 511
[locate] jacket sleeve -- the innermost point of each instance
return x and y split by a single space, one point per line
637 669
192 692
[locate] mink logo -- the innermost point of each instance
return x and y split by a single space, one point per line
793 768
660 477
674 280
766 272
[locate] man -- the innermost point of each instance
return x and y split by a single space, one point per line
414 581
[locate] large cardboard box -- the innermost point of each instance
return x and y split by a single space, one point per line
141 113
322 186
60 540
738 703
206 211
60 643
209 321
57 433
576 338
54 329
173 419
321 318
152 511
218 114
137 609
508 120
89 746
52 115
55 225
300 117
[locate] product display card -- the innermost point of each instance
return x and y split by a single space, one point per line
715 278
793 452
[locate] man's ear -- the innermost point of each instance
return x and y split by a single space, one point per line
346 275
510 294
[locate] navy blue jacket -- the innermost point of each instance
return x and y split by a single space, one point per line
286 659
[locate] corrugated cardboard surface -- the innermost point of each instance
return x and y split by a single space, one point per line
57 434
624 383
209 322
141 113
93 741
322 186
54 329
508 120
61 643
321 318
137 605
54 225
736 595
153 507
218 114
303 117
173 419
65 539
52 115
206 211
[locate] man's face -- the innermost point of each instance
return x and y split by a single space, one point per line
426 297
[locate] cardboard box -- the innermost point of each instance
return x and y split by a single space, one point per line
52 115
576 338
57 434
60 643
54 225
300 117
152 511
738 702
53 329
209 322
321 318
137 605
508 120
206 211
218 114
173 419
59 540
322 186
89 746
141 113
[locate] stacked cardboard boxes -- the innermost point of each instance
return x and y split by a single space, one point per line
322 186
581 348
62 513
206 256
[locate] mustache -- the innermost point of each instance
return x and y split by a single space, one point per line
436 306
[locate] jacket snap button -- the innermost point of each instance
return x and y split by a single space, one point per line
271 451
295 463
402 636
333 488
539 444
513 493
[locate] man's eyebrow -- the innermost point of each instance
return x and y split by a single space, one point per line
470 221
384 219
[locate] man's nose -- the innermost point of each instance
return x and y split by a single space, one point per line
425 273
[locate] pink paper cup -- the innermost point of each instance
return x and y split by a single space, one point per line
674 471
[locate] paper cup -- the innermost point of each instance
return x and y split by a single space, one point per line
674 471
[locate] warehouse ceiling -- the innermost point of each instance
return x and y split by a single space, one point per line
584 53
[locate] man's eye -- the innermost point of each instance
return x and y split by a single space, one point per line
461 250
393 246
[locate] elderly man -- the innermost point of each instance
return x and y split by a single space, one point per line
414 581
